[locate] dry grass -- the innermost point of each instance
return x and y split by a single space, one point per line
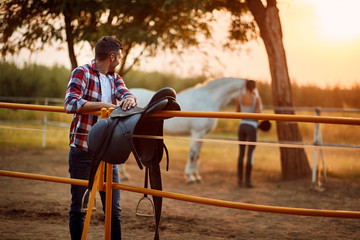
339 162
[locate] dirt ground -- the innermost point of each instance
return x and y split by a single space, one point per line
38 210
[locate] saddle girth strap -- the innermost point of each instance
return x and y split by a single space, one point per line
167 156
155 182
153 172
146 179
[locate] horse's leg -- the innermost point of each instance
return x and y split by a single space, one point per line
189 166
124 176
197 162
192 165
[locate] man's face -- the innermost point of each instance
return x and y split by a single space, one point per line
115 61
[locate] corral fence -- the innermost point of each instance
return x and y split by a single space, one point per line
108 186
318 141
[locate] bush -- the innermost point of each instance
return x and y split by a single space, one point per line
33 80
41 81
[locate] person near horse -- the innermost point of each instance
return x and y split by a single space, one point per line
249 102
90 88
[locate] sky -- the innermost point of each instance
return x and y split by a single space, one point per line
321 40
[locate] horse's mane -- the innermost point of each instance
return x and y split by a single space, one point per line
213 83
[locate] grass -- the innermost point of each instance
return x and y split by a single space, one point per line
31 136
219 156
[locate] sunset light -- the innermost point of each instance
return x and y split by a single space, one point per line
321 40
338 19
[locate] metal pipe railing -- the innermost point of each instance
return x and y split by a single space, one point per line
194 199
233 115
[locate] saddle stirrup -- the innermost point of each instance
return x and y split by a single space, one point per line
145 197
85 198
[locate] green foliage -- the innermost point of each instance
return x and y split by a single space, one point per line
40 81
313 96
33 80
36 21
265 93
332 97
242 28
147 25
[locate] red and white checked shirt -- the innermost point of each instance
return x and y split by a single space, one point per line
84 85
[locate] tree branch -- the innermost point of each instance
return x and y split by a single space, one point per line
133 64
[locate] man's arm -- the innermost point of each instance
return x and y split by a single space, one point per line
74 91
126 98
238 106
95 106
258 105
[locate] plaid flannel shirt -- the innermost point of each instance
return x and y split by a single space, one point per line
84 85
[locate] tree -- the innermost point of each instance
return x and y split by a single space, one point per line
148 25
153 25
33 24
293 160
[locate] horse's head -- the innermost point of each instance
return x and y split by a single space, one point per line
223 90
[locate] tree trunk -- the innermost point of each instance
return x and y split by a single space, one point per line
294 162
70 38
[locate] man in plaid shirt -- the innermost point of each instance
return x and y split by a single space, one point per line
90 88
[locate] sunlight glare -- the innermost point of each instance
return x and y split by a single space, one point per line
338 19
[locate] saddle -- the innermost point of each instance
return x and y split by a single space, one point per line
112 140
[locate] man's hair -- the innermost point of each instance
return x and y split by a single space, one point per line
250 85
106 46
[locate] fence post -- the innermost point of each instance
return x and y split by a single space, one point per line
44 125
317 142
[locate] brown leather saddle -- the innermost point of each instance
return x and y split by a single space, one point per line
112 140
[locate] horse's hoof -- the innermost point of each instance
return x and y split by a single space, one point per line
190 179
198 179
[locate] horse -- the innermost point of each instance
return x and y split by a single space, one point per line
211 96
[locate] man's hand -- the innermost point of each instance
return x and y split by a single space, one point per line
127 103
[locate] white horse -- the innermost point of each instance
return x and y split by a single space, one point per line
211 96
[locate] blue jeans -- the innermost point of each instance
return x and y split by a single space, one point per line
79 168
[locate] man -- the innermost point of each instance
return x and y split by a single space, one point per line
90 88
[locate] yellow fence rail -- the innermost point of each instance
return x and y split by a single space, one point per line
259 116
182 197
194 199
